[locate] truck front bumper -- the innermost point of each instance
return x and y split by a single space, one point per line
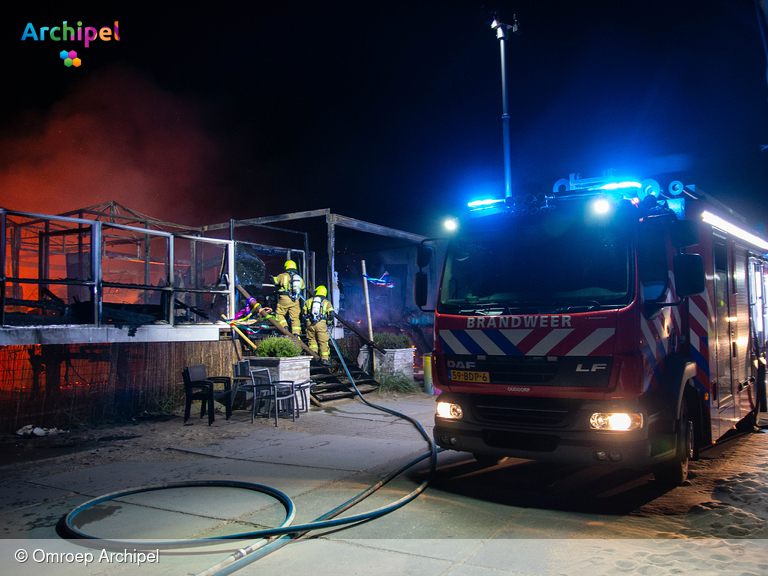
574 447
571 440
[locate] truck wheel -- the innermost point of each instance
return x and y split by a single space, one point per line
674 472
488 459
749 422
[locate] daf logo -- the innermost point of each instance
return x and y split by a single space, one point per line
460 364
517 389
593 368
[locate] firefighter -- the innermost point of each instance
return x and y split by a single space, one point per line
318 312
289 285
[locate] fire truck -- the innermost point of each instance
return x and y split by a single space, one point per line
609 322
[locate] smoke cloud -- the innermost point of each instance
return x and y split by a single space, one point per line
116 136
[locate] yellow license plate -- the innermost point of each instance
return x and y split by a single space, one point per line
465 376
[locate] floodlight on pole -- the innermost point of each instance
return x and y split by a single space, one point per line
502 32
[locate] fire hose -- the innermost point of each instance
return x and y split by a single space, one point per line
271 539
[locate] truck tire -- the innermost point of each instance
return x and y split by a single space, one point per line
488 459
675 472
748 424
761 388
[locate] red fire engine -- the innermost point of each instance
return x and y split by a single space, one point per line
606 323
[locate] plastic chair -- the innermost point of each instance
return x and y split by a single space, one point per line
273 394
247 382
302 395
199 386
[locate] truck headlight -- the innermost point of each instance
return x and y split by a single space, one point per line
616 421
448 410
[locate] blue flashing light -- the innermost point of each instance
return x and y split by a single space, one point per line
620 185
484 203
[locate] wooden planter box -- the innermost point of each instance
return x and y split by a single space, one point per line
395 360
295 369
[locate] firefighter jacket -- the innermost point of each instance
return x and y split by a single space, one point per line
317 309
289 283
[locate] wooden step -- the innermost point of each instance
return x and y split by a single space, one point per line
332 383
338 377
344 385
335 369
372 385
327 396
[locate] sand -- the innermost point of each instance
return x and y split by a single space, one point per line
725 532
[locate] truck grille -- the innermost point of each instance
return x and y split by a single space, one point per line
516 411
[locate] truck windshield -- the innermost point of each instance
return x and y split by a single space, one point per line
543 266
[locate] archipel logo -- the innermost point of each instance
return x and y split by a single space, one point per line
67 34
70 58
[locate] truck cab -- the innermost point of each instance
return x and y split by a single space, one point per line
564 331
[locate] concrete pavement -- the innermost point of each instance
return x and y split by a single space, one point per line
326 457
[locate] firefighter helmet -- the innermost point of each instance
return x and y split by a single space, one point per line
321 291
290 265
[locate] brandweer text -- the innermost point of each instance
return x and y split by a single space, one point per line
519 321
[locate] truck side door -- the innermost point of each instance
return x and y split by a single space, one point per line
724 336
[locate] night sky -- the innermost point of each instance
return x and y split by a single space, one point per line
388 112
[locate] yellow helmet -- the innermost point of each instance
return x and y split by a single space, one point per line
321 291
290 265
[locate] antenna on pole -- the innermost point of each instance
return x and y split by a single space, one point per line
502 33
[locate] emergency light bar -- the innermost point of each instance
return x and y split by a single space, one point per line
606 182
484 203
710 218
620 185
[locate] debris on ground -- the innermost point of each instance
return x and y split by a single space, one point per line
32 430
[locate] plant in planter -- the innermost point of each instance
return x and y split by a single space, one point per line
392 341
277 347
